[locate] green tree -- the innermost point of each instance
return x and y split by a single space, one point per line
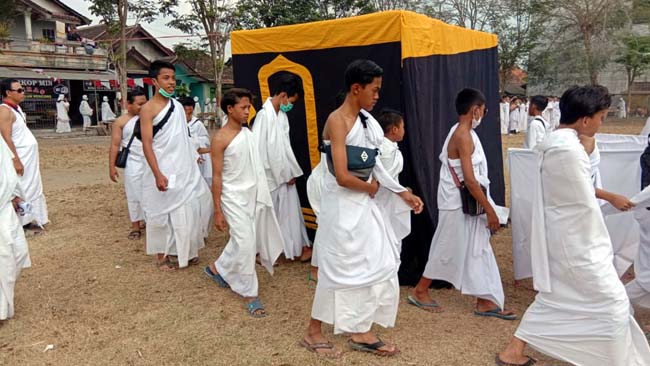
114 14
634 57
213 20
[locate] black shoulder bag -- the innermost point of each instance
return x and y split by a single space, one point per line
361 160
470 204
136 130
123 155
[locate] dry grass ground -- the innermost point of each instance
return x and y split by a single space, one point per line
99 299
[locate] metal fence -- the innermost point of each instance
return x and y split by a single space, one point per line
41 114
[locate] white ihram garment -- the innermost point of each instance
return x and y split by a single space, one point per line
201 139
135 165
537 129
14 253
271 131
30 182
639 289
357 252
107 113
86 112
460 251
178 219
504 117
62 118
514 121
581 313
248 209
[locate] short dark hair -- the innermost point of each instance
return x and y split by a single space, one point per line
187 102
286 82
156 66
539 101
5 86
389 118
583 101
135 92
467 98
233 96
361 72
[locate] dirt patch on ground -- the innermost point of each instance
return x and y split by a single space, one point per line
99 299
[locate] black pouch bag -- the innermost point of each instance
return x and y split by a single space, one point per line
470 204
123 155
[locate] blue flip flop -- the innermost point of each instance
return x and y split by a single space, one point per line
424 306
496 312
216 277
254 306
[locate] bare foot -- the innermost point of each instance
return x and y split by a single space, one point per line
164 264
306 254
424 301
321 346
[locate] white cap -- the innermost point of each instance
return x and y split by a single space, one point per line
84 97
214 100
196 99
61 96
105 99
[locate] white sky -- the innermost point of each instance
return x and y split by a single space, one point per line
158 28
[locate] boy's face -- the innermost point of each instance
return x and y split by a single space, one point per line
239 112
398 131
589 126
138 102
166 80
286 99
189 110
368 95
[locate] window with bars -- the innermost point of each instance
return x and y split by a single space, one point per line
49 34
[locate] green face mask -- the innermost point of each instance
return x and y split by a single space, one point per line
286 107
164 93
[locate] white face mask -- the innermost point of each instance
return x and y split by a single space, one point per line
476 123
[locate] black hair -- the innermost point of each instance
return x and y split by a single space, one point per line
467 98
156 66
539 101
5 86
233 96
361 72
286 82
187 102
135 92
583 101
389 118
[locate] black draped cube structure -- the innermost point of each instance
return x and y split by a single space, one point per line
426 63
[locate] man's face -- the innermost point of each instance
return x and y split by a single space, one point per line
589 126
239 112
286 99
189 109
368 95
138 102
16 94
166 80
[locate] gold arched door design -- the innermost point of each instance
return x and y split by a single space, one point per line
281 63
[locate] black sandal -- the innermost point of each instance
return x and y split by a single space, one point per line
531 361
373 348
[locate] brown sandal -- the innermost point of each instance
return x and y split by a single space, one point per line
135 235
332 352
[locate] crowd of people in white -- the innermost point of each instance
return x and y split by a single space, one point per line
179 181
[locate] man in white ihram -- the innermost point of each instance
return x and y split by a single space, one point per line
581 314
23 144
271 130
86 112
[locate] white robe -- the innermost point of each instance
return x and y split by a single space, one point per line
197 109
523 117
397 214
248 209
271 131
178 220
201 139
504 117
86 112
581 313
62 118
514 120
638 289
107 113
135 166
357 252
622 108
555 120
14 253
31 185
460 250
537 129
